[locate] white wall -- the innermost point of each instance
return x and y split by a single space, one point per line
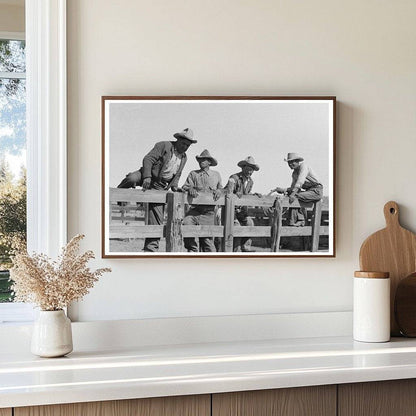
12 18
361 51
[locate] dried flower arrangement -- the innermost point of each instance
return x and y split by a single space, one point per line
53 285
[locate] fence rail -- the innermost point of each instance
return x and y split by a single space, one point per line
128 226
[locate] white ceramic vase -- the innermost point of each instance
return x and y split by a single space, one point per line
52 334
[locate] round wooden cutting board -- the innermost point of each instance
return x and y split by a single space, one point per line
393 250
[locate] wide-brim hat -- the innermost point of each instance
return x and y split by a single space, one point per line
205 155
293 156
249 160
187 134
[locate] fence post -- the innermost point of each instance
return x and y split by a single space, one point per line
122 212
276 225
228 221
174 206
316 223
146 213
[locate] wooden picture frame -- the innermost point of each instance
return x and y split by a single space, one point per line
236 218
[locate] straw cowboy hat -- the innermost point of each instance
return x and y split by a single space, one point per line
249 160
205 155
187 134
293 156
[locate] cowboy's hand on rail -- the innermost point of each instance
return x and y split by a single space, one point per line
146 184
239 194
217 194
176 189
193 192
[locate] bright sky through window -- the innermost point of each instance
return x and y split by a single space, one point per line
13 105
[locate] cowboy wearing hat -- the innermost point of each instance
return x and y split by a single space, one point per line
162 168
305 188
202 180
241 184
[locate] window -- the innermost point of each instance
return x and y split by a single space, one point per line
46 135
12 153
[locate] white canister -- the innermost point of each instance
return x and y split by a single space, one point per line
371 314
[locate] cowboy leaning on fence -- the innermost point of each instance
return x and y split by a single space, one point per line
305 187
241 184
161 170
202 180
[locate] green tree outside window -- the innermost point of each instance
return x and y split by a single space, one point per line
12 144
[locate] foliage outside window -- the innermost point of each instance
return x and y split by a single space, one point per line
12 156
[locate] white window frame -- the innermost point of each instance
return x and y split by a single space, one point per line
46 128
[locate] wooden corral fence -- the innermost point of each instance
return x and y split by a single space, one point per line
124 226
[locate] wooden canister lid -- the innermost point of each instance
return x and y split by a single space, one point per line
372 275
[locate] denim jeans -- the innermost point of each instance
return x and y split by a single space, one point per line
156 217
201 216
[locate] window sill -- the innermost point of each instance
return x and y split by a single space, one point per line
16 313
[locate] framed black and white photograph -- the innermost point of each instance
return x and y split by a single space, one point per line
218 176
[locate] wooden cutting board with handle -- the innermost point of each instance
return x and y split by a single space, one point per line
393 250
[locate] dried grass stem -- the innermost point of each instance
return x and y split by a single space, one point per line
53 285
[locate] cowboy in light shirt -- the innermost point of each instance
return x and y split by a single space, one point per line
202 180
305 187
